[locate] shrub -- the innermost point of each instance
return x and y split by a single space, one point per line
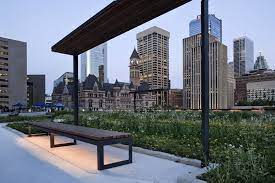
4 119
239 165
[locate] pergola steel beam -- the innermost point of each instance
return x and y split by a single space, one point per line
205 81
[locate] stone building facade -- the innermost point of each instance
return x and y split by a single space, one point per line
97 96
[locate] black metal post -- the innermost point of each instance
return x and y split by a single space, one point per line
205 81
76 118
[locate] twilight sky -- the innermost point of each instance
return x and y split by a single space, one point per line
42 23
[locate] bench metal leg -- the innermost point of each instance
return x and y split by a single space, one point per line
131 150
100 157
52 145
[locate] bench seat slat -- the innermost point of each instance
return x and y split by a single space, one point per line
91 133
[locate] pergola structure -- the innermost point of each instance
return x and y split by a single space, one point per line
121 16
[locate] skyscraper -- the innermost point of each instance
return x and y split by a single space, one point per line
101 73
260 62
153 50
36 89
231 84
218 92
243 56
215 27
67 77
13 72
92 59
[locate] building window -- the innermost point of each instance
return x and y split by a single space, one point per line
90 103
3 74
3 69
4 47
4 80
3 58
4 53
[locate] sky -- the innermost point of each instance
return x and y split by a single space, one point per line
43 23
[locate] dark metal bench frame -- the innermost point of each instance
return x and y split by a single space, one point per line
99 143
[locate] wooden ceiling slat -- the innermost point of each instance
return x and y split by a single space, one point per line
99 30
115 19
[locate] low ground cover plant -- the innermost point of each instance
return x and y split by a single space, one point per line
242 143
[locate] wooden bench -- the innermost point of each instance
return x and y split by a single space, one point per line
98 137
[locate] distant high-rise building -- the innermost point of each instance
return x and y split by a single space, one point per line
243 56
218 92
13 72
134 68
92 59
215 27
101 73
67 77
260 62
36 89
63 89
153 50
231 84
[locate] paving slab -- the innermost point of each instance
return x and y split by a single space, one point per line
31 159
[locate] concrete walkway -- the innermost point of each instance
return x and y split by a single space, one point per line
25 160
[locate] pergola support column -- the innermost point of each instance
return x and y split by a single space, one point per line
75 95
205 81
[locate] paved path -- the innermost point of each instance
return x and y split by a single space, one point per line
28 160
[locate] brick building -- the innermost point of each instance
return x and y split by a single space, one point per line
176 98
253 84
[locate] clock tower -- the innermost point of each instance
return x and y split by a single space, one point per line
134 68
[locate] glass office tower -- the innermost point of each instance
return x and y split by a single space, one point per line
215 27
91 61
243 55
